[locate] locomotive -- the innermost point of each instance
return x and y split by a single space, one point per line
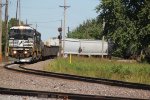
25 45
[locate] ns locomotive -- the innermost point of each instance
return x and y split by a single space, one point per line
25 45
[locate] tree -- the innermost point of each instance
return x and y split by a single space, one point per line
12 22
127 23
89 29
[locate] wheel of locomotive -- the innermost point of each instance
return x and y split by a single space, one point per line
34 57
40 58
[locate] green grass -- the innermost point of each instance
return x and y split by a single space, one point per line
96 67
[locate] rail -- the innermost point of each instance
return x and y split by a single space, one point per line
59 95
81 78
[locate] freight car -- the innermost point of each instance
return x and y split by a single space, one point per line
85 47
25 45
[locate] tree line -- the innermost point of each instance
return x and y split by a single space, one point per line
12 22
125 22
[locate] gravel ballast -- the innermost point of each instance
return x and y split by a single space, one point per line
15 97
11 79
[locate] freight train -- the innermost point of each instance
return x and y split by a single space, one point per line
25 45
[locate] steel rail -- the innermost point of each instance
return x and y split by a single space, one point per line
82 78
59 95
92 80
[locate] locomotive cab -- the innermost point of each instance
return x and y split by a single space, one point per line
24 43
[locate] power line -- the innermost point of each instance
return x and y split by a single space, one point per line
33 8
47 21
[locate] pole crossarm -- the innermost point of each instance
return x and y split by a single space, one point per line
65 7
2 5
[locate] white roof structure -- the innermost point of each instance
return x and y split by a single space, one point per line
22 27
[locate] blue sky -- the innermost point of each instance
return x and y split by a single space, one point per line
47 14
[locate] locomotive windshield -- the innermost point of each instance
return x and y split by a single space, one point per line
21 34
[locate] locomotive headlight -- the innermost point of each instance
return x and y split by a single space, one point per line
25 52
14 52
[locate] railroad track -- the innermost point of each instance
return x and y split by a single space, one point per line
21 68
59 95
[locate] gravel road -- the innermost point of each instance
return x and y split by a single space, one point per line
11 79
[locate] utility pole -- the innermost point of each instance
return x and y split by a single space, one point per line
64 30
19 12
26 22
0 31
103 46
36 26
103 38
6 30
60 39
61 23
68 30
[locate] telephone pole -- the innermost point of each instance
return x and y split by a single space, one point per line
64 30
0 31
19 12
103 38
1 5
60 39
6 30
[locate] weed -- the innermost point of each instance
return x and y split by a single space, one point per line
101 68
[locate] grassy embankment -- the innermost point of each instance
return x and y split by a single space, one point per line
96 67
